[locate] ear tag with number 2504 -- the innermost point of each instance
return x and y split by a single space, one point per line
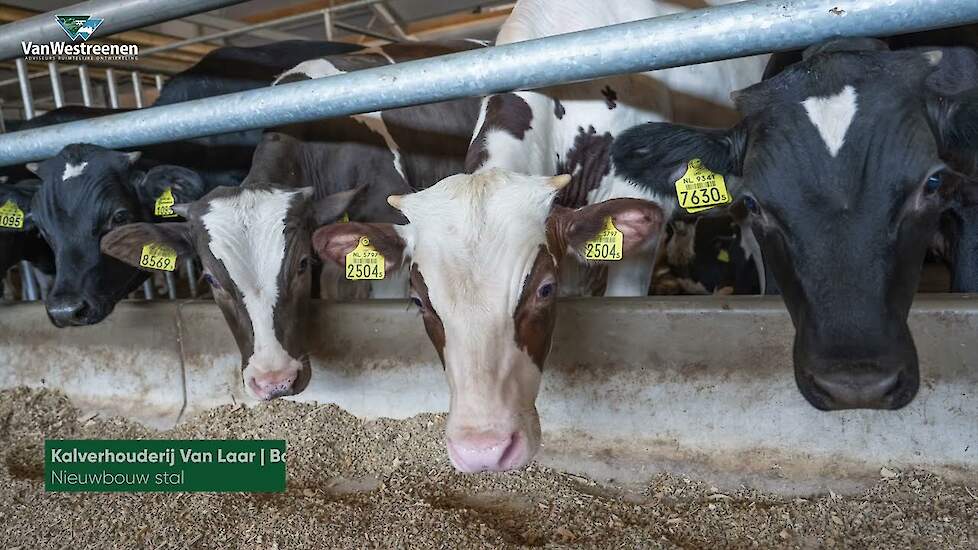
700 189
11 216
606 246
158 256
364 263
164 205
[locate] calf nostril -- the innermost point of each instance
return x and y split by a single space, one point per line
271 387
486 453
859 389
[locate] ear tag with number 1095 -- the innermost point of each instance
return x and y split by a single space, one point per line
164 205
606 245
11 216
158 256
364 263
700 189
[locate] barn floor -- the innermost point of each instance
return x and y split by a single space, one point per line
355 484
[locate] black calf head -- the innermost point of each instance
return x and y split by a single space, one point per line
86 192
842 166
19 239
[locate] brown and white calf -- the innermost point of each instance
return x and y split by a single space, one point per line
484 252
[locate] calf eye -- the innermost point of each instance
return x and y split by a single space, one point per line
752 205
211 280
934 182
121 217
303 264
546 290
417 302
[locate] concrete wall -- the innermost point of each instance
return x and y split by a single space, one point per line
634 386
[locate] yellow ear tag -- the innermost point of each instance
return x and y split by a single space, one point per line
11 216
606 245
724 256
158 256
700 189
364 263
164 205
345 218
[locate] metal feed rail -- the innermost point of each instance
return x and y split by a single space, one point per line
117 15
722 32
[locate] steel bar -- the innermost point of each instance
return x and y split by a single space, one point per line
328 24
191 278
364 32
86 85
113 89
137 89
258 26
25 89
228 24
380 9
56 88
148 290
116 15
158 79
746 28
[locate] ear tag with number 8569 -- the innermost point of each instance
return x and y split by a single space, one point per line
364 263
700 189
158 256
606 246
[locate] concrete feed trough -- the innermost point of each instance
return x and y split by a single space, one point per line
633 386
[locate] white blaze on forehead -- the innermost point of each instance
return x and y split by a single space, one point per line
247 234
832 116
320 68
73 170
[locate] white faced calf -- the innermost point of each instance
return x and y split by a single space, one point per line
254 245
484 251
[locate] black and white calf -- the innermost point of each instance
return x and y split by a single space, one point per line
254 241
844 164
569 129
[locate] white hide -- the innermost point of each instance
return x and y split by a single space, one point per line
73 170
832 117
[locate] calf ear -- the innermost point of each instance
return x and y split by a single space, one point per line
639 221
186 185
334 242
21 195
126 243
330 208
655 154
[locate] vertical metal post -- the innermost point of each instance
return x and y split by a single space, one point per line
328 22
137 89
3 125
191 278
86 85
25 88
29 282
56 88
113 90
159 82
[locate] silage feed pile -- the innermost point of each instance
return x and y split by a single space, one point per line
387 484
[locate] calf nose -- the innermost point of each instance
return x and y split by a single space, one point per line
860 387
492 452
270 385
67 311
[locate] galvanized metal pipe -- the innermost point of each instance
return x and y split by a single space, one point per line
113 89
86 85
56 89
733 30
137 89
25 89
117 16
158 79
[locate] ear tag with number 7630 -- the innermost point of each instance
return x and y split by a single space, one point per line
164 205
158 256
700 189
364 263
606 246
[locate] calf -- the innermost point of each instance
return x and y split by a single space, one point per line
570 128
484 252
842 166
87 191
19 238
254 241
